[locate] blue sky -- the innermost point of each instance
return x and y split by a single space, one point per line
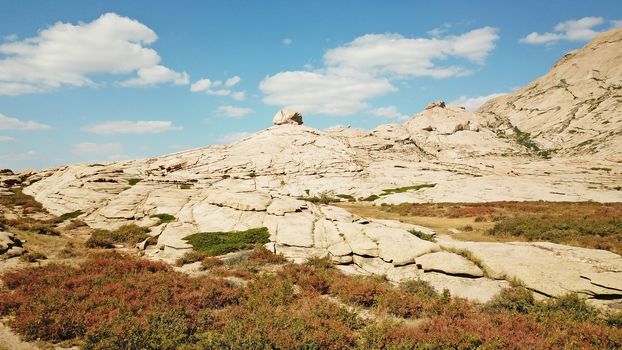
86 81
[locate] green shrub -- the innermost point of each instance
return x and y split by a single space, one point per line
164 218
422 235
127 234
185 186
322 198
219 243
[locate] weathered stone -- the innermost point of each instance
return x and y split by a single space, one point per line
281 206
449 263
287 116
476 289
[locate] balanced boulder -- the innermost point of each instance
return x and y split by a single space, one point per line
287 116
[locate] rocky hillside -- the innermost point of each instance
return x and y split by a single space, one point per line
575 109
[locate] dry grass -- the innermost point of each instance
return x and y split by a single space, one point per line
584 224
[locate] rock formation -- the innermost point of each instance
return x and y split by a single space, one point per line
271 178
287 116
576 108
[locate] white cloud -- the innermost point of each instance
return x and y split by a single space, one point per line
99 151
7 123
395 54
239 95
390 112
616 23
131 127
233 112
572 30
221 92
157 75
6 138
232 81
473 103
20 157
68 54
287 41
233 137
324 93
363 69
201 85
212 87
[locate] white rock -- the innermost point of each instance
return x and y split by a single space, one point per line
287 116
449 263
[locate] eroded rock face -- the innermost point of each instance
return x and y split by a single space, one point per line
551 269
287 116
575 108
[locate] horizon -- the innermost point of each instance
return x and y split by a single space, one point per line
114 81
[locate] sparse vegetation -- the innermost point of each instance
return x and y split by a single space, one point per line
371 198
126 234
70 215
164 218
422 235
219 243
185 186
322 198
524 139
346 197
585 224
134 181
406 188
32 257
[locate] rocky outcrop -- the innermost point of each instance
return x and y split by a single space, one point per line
452 132
575 109
287 116
550 269
10 246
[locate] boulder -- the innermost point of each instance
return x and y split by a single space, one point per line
436 104
287 116
449 263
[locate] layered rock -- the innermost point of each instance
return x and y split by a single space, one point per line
10 246
576 108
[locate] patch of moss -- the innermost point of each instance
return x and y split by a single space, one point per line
71 215
422 235
371 198
133 182
164 218
406 188
219 243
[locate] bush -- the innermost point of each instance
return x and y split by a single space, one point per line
261 256
32 257
127 234
58 302
419 288
517 299
219 243
190 257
